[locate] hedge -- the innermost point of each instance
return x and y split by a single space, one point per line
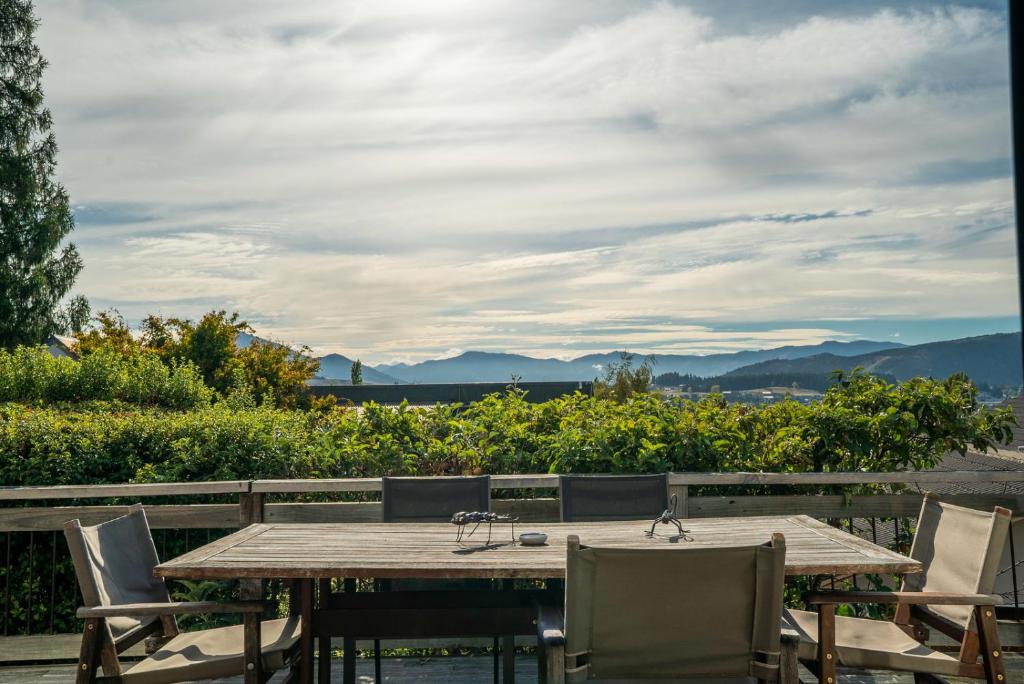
862 423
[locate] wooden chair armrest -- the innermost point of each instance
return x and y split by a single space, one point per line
904 597
175 608
550 626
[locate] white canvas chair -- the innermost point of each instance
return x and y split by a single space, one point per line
960 550
126 603
669 614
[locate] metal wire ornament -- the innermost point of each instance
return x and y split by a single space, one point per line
463 519
668 517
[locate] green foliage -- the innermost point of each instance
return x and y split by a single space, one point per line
271 373
209 344
36 272
32 375
862 424
621 380
357 372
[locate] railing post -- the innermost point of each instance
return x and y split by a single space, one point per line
682 494
250 511
250 508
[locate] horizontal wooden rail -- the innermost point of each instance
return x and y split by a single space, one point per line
109 491
524 481
545 481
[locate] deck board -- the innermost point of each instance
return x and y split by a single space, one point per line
467 670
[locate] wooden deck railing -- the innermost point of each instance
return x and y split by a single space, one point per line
257 500
36 514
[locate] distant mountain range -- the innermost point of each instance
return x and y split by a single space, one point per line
338 367
332 367
991 359
497 367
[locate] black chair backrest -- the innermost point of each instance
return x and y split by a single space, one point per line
593 498
433 499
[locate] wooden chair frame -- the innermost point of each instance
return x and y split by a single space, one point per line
551 643
100 649
912 615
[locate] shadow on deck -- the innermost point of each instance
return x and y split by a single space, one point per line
16 652
461 670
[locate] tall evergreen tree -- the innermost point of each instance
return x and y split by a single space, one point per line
357 372
36 272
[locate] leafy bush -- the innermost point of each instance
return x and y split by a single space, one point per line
32 375
862 423
273 372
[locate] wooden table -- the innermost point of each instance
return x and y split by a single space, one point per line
428 550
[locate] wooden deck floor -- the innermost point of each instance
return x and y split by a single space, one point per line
461 670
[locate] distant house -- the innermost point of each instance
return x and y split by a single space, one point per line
59 345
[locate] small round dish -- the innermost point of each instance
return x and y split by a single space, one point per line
533 539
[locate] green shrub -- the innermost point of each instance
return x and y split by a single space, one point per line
863 423
31 375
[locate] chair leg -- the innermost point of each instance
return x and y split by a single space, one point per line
827 643
554 671
89 655
991 649
789 664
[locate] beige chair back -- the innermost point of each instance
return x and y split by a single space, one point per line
960 550
673 613
114 564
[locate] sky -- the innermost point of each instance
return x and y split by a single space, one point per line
398 181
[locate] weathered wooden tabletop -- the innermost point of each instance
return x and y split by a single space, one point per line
429 550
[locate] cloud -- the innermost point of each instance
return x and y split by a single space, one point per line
398 179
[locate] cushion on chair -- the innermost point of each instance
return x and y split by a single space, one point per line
871 644
214 653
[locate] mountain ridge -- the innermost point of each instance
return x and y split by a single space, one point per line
479 366
992 359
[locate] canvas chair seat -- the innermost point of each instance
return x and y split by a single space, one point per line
871 644
214 653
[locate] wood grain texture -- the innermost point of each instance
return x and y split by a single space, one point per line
195 516
429 550
103 491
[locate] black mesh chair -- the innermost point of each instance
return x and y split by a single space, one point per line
431 499
595 498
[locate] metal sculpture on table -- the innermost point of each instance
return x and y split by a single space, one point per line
462 519
668 517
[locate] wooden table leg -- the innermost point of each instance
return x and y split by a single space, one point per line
508 653
348 670
324 655
252 656
306 635
252 590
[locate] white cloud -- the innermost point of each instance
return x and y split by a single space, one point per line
398 179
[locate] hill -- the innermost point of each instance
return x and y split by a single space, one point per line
338 367
990 359
332 367
478 366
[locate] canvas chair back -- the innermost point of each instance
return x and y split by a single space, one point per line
433 499
114 564
673 613
594 498
960 550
